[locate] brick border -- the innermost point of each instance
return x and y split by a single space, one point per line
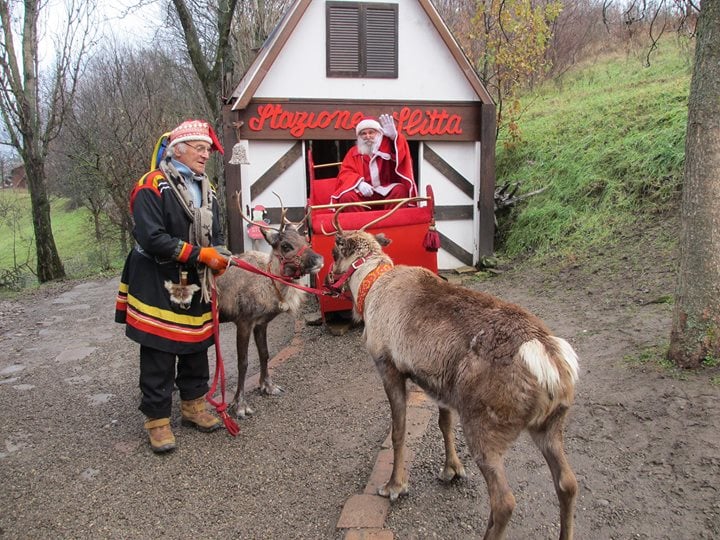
363 515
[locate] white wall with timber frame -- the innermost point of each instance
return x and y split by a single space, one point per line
294 73
290 71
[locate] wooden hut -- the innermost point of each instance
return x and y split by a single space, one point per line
329 63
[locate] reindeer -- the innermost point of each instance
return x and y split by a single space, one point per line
490 362
252 301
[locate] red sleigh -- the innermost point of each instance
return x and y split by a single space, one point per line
407 228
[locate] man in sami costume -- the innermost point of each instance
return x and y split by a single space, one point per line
164 296
378 167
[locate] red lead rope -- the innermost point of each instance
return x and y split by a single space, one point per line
235 261
220 406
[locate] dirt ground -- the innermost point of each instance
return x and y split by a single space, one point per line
643 440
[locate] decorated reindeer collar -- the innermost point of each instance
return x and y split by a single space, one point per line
337 285
367 284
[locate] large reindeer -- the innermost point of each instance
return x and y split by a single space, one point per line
492 363
252 301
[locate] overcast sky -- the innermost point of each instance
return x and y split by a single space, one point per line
114 19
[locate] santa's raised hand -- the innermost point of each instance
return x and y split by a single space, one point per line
388 126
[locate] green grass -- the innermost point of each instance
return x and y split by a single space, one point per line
655 357
607 144
74 238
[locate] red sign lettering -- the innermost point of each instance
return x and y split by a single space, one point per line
411 121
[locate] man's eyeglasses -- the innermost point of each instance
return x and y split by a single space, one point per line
200 149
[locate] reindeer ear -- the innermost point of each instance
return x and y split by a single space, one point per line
271 235
382 239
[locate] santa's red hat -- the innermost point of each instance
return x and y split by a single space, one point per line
367 123
195 130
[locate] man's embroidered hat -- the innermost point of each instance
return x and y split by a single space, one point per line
195 130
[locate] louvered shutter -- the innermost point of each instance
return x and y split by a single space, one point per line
343 40
362 40
381 41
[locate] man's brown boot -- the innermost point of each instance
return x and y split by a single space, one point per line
161 436
195 414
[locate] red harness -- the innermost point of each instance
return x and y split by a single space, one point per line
282 279
339 286
296 261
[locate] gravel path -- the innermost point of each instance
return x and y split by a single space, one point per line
74 462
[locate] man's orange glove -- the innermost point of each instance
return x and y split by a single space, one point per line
213 259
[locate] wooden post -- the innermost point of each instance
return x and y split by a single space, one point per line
486 195
233 184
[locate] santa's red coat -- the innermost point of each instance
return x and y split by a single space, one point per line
397 170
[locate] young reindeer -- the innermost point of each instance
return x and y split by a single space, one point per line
492 363
252 301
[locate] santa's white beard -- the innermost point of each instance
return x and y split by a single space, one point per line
366 146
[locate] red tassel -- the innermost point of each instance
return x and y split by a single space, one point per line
431 242
230 424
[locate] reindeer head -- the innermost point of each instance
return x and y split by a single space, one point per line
352 248
355 245
292 256
293 252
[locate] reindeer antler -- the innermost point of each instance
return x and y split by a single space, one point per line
260 224
283 213
391 211
336 223
285 221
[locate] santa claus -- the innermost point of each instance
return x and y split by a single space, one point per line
378 167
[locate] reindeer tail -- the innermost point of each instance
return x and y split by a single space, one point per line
556 370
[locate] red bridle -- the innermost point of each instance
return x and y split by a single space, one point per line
295 261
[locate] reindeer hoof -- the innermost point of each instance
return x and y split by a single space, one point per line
449 473
271 389
392 492
243 411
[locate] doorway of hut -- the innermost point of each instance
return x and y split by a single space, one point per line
324 157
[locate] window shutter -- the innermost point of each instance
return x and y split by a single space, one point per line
381 41
362 39
343 40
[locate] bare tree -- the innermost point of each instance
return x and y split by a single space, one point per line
695 335
204 28
33 113
5 170
126 100
251 27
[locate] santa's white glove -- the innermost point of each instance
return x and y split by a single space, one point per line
365 189
388 126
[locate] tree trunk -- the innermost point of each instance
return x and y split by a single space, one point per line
695 334
49 266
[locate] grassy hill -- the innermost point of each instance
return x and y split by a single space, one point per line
605 142
73 232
